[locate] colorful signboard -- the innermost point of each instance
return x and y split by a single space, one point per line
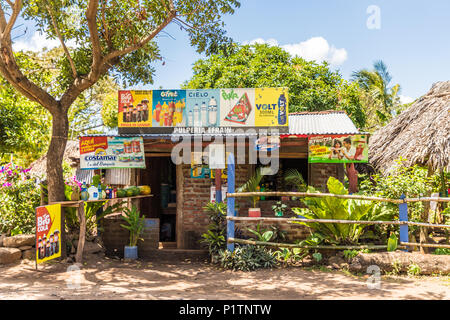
202 109
48 236
338 149
135 108
111 152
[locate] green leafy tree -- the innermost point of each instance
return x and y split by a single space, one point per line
112 38
378 96
312 86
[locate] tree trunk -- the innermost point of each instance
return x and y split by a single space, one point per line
55 178
55 154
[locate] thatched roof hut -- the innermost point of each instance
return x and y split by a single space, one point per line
71 156
420 134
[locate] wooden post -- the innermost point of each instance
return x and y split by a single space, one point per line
403 216
230 200
352 178
218 180
82 236
179 217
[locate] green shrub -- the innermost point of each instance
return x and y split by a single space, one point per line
247 258
19 197
214 238
338 209
442 251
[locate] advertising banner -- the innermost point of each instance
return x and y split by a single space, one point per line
111 152
271 107
338 149
135 108
48 236
169 108
202 110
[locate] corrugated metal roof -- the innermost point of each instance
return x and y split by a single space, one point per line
324 122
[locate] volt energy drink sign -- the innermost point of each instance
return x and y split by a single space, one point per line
111 152
48 232
202 110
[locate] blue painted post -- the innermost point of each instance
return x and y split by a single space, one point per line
403 216
230 200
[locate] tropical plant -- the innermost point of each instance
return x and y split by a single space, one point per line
247 258
288 256
252 185
279 208
214 238
414 269
135 224
261 235
294 178
338 209
380 99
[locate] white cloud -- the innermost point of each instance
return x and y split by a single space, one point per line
314 49
38 42
405 99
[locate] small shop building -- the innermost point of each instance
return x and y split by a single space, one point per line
175 212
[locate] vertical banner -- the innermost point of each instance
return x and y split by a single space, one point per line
271 107
237 107
169 108
135 108
48 232
203 108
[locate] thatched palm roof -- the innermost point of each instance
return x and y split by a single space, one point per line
421 134
71 156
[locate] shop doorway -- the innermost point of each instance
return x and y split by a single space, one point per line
160 175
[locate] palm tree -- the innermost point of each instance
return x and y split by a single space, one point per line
380 98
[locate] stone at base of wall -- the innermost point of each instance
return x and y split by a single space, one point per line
9 255
19 240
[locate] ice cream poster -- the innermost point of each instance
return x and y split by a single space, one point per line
237 107
169 108
48 232
271 107
338 149
202 108
111 152
135 108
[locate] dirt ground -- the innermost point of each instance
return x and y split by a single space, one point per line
103 278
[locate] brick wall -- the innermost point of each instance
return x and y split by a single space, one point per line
320 172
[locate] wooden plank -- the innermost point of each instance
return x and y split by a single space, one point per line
82 236
180 200
428 245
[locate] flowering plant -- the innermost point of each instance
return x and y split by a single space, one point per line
19 197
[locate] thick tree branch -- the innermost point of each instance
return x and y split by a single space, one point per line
143 41
58 33
6 33
91 17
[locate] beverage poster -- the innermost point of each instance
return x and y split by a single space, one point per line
111 152
198 168
169 108
203 108
271 107
237 107
338 149
48 232
135 108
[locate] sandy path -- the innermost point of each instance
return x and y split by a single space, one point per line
104 278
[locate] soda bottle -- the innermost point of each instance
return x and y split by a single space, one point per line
124 114
282 109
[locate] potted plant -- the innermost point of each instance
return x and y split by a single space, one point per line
135 226
252 186
279 208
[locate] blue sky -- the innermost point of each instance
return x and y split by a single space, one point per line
413 38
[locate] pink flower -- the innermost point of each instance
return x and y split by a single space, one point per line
7 184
